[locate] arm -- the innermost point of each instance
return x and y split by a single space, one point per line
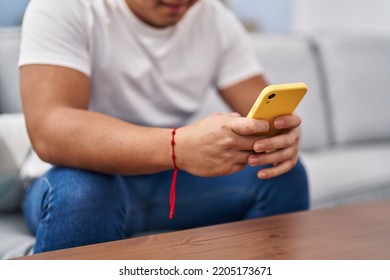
63 132
284 147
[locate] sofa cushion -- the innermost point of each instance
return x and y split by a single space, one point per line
14 147
357 70
289 59
9 75
10 192
15 238
348 173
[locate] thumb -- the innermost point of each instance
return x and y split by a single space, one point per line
247 126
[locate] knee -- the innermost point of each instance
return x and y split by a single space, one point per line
288 192
298 175
294 185
78 208
74 188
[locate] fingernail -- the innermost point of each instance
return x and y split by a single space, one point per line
266 126
263 174
259 147
279 123
251 161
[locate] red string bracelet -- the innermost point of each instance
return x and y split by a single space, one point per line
172 196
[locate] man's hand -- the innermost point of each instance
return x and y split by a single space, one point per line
218 145
281 151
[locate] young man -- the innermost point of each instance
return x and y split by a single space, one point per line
104 82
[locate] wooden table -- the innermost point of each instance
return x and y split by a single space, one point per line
360 231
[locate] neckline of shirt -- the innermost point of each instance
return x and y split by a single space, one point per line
146 29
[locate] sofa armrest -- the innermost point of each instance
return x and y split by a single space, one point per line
14 147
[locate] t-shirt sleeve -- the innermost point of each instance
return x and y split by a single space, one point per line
54 32
238 60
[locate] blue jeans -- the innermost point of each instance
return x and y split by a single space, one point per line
70 207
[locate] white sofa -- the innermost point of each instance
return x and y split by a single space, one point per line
346 120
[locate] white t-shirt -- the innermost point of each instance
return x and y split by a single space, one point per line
140 74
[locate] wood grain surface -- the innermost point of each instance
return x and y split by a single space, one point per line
359 231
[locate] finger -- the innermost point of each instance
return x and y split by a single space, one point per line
246 143
287 122
275 157
240 157
247 126
230 114
277 142
277 170
234 115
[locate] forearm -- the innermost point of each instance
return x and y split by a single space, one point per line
93 141
240 97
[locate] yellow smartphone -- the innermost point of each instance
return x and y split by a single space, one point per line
275 101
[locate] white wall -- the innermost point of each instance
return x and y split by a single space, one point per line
355 15
266 15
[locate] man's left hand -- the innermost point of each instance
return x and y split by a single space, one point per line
281 151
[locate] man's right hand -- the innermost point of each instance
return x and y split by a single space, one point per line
219 144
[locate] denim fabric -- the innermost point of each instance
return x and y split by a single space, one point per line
70 207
